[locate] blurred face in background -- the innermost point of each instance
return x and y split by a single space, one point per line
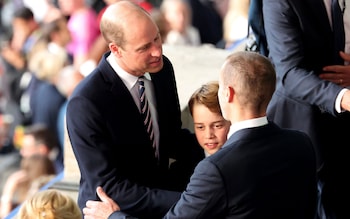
63 34
177 13
30 147
22 29
69 6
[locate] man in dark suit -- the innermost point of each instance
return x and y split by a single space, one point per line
105 126
262 171
311 93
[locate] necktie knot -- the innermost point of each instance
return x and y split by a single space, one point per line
141 80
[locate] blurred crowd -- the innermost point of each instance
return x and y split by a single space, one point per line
48 46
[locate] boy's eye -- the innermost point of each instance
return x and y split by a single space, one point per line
199 127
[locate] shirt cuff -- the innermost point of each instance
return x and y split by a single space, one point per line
338 101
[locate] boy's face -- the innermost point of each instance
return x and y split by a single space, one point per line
211 129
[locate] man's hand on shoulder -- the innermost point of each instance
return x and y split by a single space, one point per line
100 209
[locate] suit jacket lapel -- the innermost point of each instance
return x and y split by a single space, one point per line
115 83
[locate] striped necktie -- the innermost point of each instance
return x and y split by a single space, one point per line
146 114
338 31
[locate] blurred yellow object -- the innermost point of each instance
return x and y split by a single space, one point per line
18 136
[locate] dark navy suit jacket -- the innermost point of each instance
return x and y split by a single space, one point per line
113 149
260 173
300 43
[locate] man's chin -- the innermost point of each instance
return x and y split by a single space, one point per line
156 68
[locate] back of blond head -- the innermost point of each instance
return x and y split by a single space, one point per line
253 78
49 204
47 65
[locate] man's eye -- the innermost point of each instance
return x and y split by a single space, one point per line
218 126
145 47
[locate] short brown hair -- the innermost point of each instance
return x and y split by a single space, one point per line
207 95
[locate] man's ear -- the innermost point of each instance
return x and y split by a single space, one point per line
116 50
230 92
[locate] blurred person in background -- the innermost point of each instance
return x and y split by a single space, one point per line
14 52
46 100
44 11
208 19
178 15
38 139
83 27
25 32
68 79
46 57
161 22
9 155
55 36
235 26
18 186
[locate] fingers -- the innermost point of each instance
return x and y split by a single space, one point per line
345 56
94 209
102 195
91 204
334 68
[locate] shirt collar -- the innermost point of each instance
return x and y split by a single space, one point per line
251 123
128 79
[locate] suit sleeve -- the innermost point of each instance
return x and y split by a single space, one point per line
120 215
204 196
